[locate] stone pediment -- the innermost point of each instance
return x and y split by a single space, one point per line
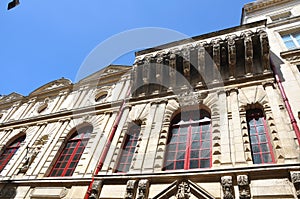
11 97
56 84
111 70
184 190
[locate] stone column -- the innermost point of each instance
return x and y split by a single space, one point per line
156 126
225 133
145 135
237 140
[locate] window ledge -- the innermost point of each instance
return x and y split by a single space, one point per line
291 55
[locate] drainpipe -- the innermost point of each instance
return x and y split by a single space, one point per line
107 145
286 102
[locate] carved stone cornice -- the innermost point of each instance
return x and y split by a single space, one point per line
259 5
292 56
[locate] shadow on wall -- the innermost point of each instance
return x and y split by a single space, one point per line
8 191
277 61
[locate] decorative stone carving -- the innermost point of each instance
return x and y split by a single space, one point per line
226 182
231 55
143 189
32 152
265 50
248 51
172 69
183 191
216 54
191 98
244 189
130 186
295 176
186 62
96 188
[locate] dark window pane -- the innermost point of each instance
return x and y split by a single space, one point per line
261 129
171 156
262 138
194 164
205 145
194 154
255 149
267 158
254 140
179 165
196 145
205 136
169 165
256 159
205 163
205 153
196 136
182 138
69 172
264 147
180 155
205 127
182 147
252 131
172 147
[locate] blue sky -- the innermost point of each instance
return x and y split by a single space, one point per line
41 41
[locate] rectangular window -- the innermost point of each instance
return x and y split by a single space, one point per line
291 40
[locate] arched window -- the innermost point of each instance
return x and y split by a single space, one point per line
128 148
189 144
259 138
9 151
70 155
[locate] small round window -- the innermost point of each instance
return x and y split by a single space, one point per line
100 96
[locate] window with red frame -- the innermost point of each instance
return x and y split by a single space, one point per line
9 151
70 155
189 144
128 148
259 138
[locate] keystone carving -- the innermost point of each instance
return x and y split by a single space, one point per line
143 189
295 176
130 189
183 191
226 182
244 188
96 188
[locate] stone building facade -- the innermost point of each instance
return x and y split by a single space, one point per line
213 116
